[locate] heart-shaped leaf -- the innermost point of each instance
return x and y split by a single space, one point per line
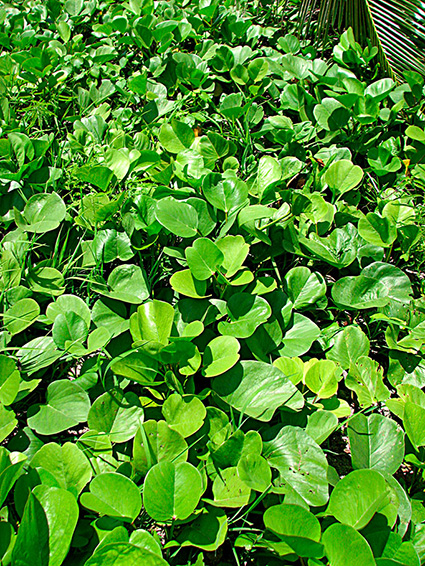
113 495
171 491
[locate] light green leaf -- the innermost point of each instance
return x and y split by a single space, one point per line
21 315
342 176
180 218
184 414
246 313
9 380
220 355
176 137
344 546
301 463
152 324
158 443
42 213
297 527
357 497
230 490
184 283
172 491
113 495
124 554
67 463
203 258
257 389
376 442
118 416
47 526
67 405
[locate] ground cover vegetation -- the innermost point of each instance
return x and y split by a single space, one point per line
213 320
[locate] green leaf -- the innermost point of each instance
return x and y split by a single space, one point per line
47 526
9 380
299 337
297 527
138 366
365 377
180 218
322 378
67 405
414 422
376 442
301 463
158 443
339 249
203 258
246 312
99 176
377 230
176 136
330 114
303 287
152 324
113 495
227 193
10 470
235 251
67 463
350 344
344 546
220 355
184 414
41 214
171 491
230 490
357 497
118 416
126 283
207 532
257 389
320 425
66 304
21 315
342 176
46 280
254 471
377 284
269 172
124 554
69 329
7 422
184 283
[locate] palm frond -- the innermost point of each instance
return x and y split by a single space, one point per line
396 27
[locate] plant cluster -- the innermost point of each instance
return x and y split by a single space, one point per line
213 323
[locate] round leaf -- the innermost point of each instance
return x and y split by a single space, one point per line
124 554
42 213
184 414
113 495
203 258
301 464
376 442
180 218
344 546
357 497
257 389
220 355
21 315
172 491
67 405
342 176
